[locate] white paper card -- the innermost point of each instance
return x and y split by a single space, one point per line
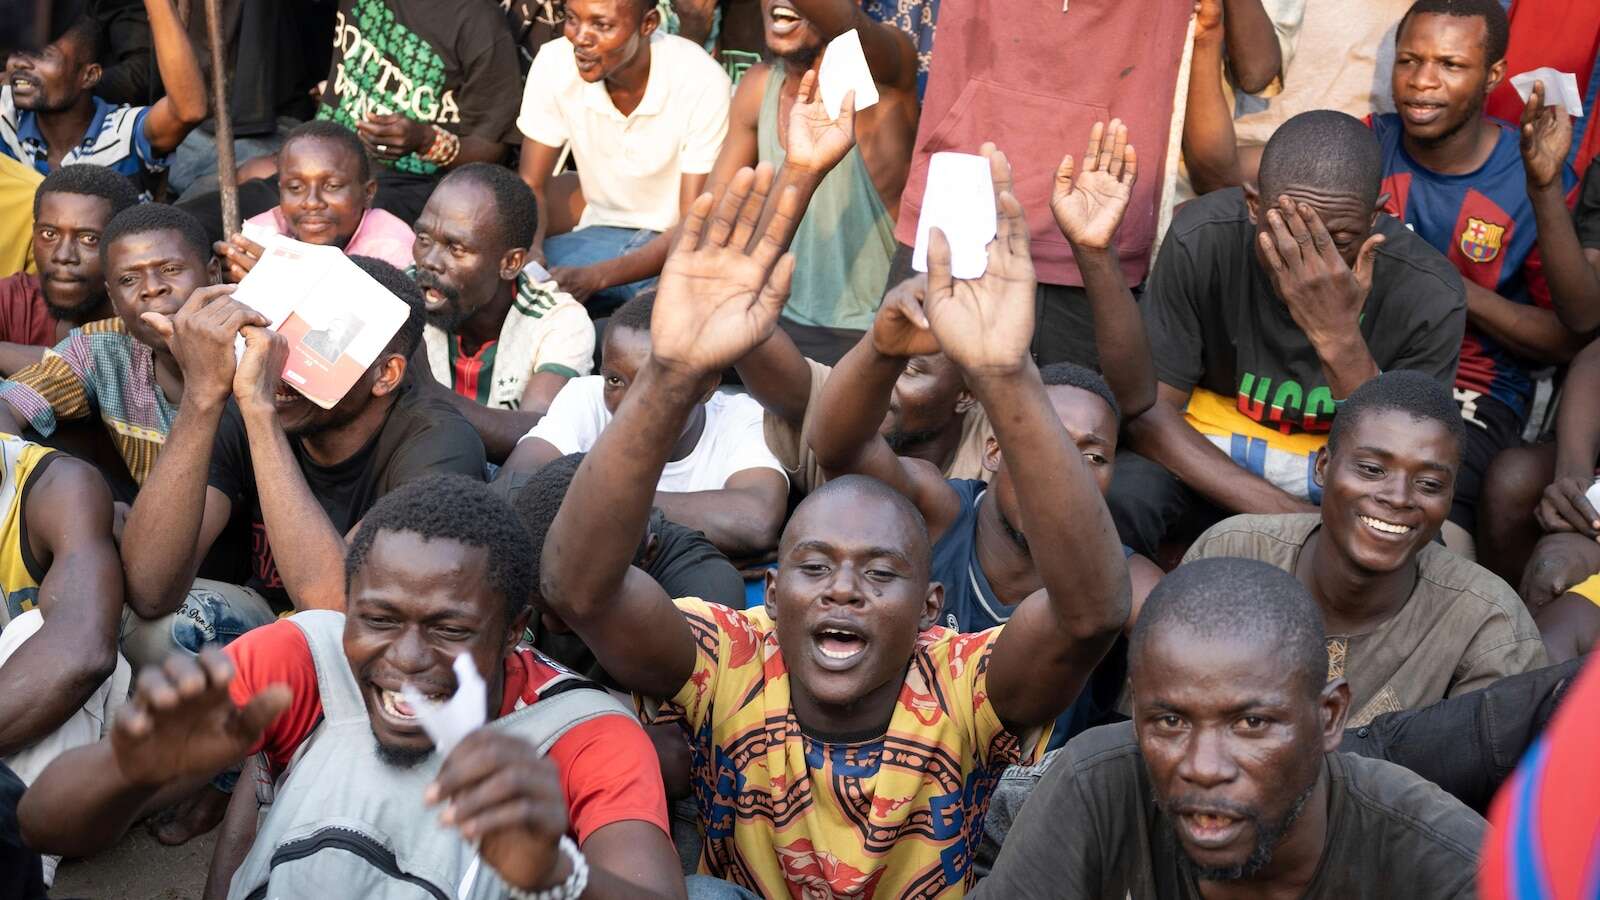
844 69
447 723
536 272
1593 495
959 200
1560 88
260 234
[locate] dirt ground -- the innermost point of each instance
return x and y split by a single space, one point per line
139 868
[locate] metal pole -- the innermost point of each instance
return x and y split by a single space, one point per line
221 115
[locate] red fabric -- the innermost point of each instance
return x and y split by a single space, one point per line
1033 79
609 769
1562 34
24 317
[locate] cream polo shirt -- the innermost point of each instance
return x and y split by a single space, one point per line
630 166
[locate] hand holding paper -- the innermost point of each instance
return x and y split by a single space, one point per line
959 201
844 69
1560 88
447 723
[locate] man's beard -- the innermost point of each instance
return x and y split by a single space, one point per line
1267 839
900 440
332 419
402 757
77 312
799 61
450 316
1473 114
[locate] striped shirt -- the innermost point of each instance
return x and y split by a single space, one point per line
115 139
98 368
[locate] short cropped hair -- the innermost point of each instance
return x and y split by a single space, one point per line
87 33
878 491
540 498
144 218
1074 375
454 508
516 212
1324 150
636 313
1239 598
89 181
405 340
1496 24
1414 393
333 132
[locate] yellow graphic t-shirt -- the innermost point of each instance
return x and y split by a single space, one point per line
789 816
20 573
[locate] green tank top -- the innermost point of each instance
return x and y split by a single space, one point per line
845 241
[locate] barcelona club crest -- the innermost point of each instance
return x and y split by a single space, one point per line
1481 240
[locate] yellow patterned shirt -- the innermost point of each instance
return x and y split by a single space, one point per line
789 816
20 573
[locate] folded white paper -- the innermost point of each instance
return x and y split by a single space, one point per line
844 69
958 200
536 272
1560 88
1593 495
447 723
260 234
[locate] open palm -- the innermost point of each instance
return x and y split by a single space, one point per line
817 143
985 324
1546 138
1089 205
719 297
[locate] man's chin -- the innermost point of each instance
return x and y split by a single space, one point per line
402 757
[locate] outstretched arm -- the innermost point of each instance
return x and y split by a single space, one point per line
68 513
890 54
172 117
1057 636
1574 283
1210 152
714 303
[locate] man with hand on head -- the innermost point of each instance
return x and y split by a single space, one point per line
1408 622
1226 783
875 704
325 191
559 796
499 344
644 113
70 212
252 457
1264 310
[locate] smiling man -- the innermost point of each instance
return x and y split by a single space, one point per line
249 456
1408 622
499 345
439 570
1226 783
70 210
325 190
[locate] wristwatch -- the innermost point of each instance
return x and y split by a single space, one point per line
572 888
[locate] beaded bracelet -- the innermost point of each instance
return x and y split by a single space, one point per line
444 149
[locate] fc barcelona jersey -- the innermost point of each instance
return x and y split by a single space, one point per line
1483 223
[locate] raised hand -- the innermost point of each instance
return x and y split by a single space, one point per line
719 296
1324 295
200 337
498 790
1546 139
239 255
1089 204
900 328
815 142
985 325
181 722
1207 19
1565 507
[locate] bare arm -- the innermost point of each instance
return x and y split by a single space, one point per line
1574 283
530 454
69 525
1564 505
172 117
890 54
1254 57
537 162
1162 435
16 357
500 429
1527 331
715 302
583 281
632 859
1209 149
742 520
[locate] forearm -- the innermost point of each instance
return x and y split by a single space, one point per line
175 60
775 374
16 357
1084 572
1346 362
1210 152
1577 427
591 545
81 804
1574 284
61 671
500 429
1527 331
159 552
1254 56
1118 331
645 262
737 523
307 550
805 183
1164 437
853 403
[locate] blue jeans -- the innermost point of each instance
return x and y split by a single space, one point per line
195 160
213 614
598 243
704 887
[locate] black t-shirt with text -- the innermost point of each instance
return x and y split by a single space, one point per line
1092 828
419 437
448 64
1215 322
